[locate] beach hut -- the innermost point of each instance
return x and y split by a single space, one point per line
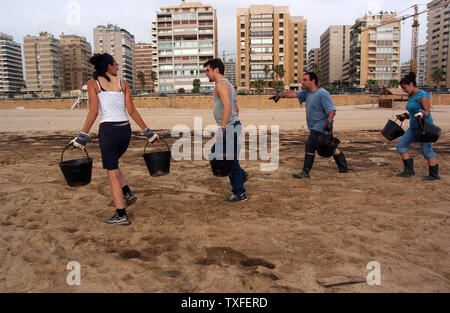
392 98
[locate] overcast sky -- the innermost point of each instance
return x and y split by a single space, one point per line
24 17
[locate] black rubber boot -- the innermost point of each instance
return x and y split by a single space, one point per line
307 166
434 173
409 168
341 162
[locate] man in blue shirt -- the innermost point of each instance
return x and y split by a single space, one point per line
320 113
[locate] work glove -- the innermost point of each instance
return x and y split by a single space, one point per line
277 97
329 125
402 117
419 115
80 141
152 136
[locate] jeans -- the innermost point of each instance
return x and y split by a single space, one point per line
408 138
236 179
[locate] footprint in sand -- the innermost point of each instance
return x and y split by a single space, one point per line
227 256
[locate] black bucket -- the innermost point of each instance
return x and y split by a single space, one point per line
327 145
158 163
392 130
427 132
222 168
76 172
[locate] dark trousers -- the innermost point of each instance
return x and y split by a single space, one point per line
311 143
236 179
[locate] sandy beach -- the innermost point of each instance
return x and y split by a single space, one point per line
288 236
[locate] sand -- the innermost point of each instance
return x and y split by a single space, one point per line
287 237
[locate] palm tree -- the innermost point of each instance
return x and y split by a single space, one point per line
316 70
437 76
393 83
258 85
279 70
371 84
140 76
196 84
153 77
267 69
278 85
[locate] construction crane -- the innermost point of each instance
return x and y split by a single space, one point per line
415 30
414 40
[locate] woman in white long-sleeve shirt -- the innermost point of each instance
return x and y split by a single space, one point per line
110 96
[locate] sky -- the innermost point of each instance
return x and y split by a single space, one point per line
19 18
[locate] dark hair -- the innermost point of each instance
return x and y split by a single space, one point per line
408 79
313 76
216 63
101 62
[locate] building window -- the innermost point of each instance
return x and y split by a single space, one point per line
281 41
243 76
281 16
281 24
281 33
242 34
281 50
281 59
242 26
243 68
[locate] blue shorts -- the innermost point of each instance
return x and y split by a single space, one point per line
113 141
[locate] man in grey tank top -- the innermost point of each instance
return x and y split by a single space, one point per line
226 115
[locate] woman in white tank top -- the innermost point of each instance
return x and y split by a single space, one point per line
111 97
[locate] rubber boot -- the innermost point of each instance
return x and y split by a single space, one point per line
341 162
409 168
434 173
307 166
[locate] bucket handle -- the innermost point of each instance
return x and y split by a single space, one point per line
168 149
69 145
401 123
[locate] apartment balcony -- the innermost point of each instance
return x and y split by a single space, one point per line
164 25
164 19
205 23
206 19
206 31
207 16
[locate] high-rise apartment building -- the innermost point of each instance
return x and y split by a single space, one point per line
155 83
313 58
405 69
43 63
374 50
438 42
186 37
230 71
334 52
11 71
144 64
120 44
269 36
421 65
76 52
